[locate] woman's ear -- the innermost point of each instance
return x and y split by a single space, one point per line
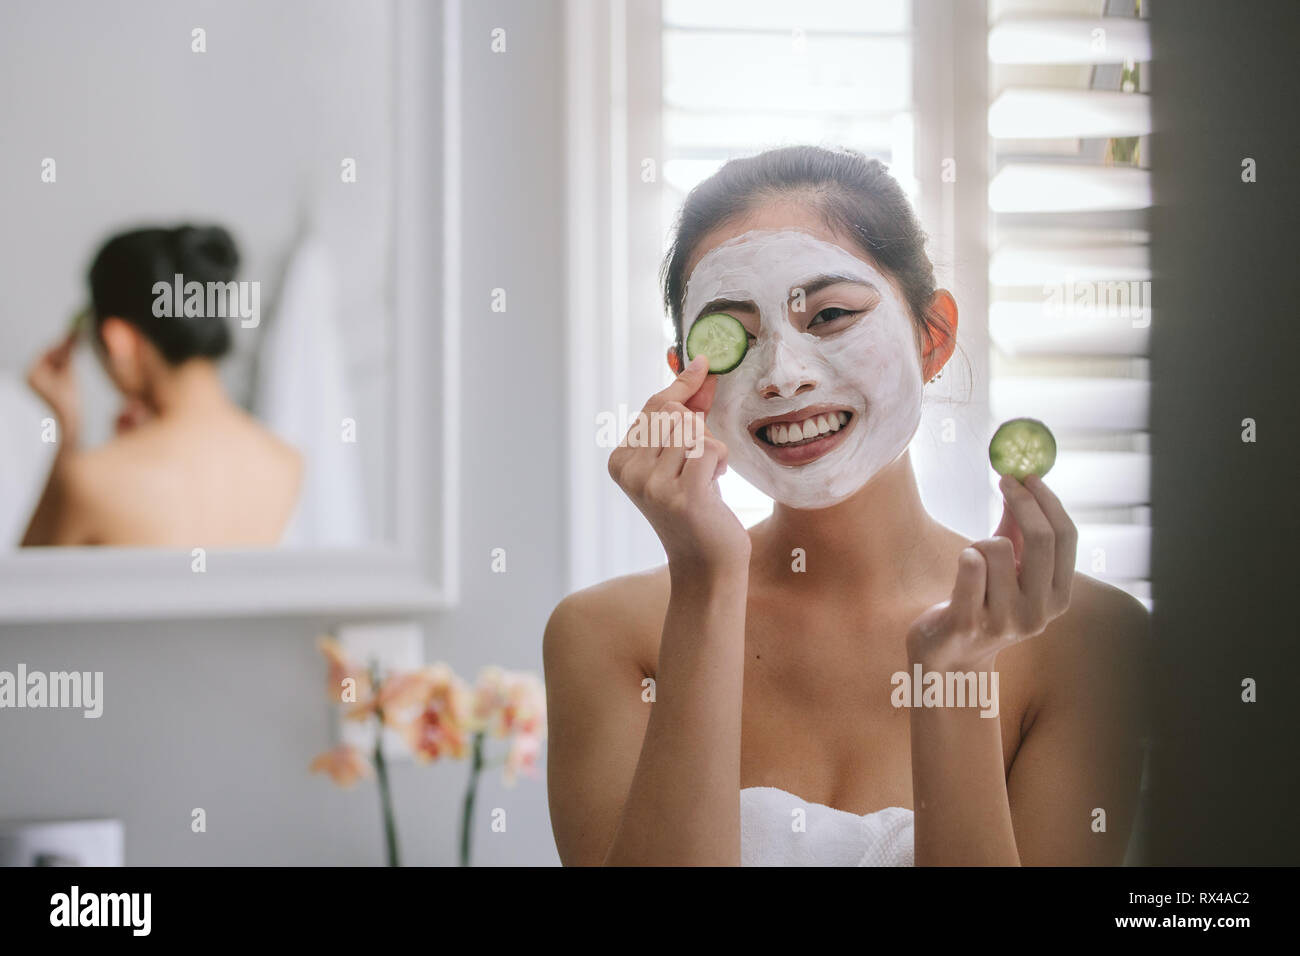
673 362
942 338
113 331
121 341
123 353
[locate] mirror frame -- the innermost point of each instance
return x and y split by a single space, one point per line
417 570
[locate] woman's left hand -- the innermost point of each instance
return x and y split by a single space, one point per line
1008 588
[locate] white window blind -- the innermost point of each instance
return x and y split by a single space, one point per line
1069 277
740 76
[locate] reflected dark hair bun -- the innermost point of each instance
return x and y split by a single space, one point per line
127 267
208 251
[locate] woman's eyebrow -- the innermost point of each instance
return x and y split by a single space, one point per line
726 305
817 283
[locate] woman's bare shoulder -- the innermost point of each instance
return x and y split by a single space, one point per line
622 614
257 432
1099 648
1100 616
281 462
110 470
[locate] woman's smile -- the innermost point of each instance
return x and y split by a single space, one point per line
804 436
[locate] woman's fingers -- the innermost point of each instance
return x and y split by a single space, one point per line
57 356
1002 591
708 466
65 347
1010 586
1038 548
1065 535
702 400
682 387
1007 528
661 442
672 441
966 606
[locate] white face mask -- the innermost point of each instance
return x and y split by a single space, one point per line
863 367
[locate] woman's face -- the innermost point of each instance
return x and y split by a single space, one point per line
829 392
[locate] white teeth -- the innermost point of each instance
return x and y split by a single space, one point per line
783 434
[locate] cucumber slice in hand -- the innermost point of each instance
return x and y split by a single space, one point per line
1022 446
721 338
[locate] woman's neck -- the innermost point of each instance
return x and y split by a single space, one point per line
191 387
879 538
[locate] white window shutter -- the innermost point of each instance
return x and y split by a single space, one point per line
1069 275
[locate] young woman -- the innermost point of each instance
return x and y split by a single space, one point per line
187 467
740 706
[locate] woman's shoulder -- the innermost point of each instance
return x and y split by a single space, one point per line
1104 625
110 469
104 485
625 600
625 612
1099 649
1101 614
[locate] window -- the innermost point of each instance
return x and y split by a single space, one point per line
1069 277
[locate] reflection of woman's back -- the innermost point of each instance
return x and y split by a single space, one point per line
188 468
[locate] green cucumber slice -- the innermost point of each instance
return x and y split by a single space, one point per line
1022 446
721 338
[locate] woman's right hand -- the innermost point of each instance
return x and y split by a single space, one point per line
675 484
53 377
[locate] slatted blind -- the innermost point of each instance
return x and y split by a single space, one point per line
740 76
1069 274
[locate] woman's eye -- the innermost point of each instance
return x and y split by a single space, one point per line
829 315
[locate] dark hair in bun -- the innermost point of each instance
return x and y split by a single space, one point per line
124 272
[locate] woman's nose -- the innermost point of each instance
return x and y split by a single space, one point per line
789 375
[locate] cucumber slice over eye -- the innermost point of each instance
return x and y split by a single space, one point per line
1022 446
721 338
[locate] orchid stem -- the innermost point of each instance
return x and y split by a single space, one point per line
385 793
386 800
476 766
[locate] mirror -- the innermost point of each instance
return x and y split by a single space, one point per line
227 331
242 401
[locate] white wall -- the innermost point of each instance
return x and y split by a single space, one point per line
226 715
